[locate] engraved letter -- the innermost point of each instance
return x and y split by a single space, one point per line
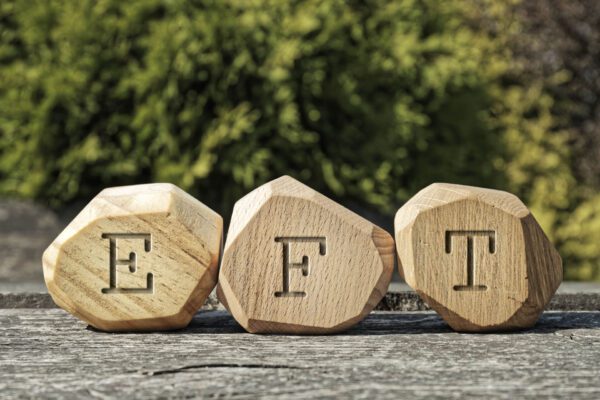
470 235
304 265
131 262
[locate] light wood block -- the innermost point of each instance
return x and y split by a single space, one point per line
297 262
477 256
141 257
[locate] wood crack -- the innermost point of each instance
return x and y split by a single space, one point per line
218 365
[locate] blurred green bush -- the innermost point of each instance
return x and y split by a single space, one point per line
367 101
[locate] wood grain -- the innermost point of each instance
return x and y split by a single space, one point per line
389 355
586 300
295 261
477 256
161 247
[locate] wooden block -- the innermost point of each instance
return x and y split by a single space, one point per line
139 257
297 262
477 256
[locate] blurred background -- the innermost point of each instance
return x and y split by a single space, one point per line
366 101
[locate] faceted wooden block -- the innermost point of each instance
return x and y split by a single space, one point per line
136 258
476 256
297 262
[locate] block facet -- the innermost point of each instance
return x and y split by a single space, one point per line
140 257
476 256
297 262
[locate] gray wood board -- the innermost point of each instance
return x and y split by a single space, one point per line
393 301
48 353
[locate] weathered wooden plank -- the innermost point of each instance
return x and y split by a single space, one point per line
393 301
26 300
48 353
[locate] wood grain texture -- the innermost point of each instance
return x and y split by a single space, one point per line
161 247
297 262
392 301
476 256
389 355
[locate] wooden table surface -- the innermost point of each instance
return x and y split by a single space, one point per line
48 353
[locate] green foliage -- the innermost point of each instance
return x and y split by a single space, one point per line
578 237
364 100
557 57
